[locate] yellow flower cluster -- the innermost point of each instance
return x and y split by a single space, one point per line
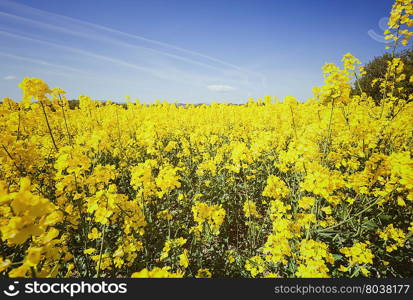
314 256
250 210
207 217
359 253
275 188
170 244
270 188
401 15
33 88
255 265
392 234
157 273
203 273
30 214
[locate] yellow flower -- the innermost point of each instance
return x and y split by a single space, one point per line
167 180
4 264
327 210
183 259
33 88
350 200
271 275
255 265
171 244
358 254
365 271
343 268
250 209
89 251
411 227
19 271
157 273
203 273
394 235
164 215
33 256
230 255
212 215
275 188
94 234
270 178
306 202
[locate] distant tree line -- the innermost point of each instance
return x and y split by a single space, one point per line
376 68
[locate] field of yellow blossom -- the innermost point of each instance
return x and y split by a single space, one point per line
271 188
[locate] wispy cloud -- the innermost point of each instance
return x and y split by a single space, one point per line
86 35
37 61
88 58
166 73
9 77
221 88
151 50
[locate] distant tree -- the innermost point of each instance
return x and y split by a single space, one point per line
376 68
73 104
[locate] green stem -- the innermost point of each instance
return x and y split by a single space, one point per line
67 127
358 83
48 125
11 157
101 250
345 221
101 243
18 128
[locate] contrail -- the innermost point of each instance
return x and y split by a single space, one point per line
162 75
21 7
83 52
104 38
40 62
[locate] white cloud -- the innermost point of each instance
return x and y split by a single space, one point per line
220 88
9 77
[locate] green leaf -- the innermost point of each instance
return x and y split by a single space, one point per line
337 256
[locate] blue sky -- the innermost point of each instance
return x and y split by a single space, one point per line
183 51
